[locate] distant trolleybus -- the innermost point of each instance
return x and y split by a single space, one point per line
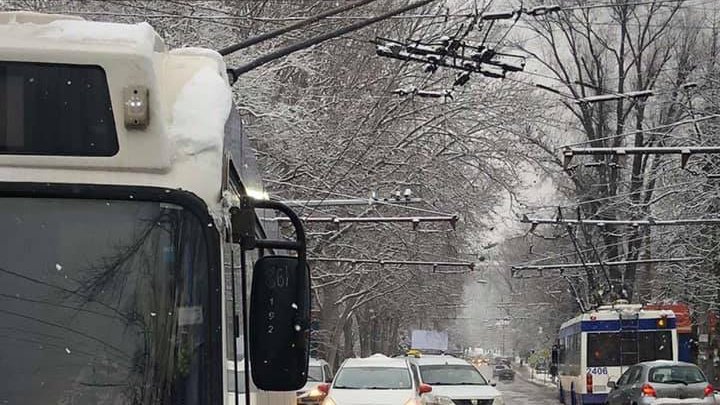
127 222
597 347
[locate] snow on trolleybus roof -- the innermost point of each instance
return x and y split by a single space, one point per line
187 105
607 318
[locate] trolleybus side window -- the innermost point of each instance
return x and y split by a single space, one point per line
571 354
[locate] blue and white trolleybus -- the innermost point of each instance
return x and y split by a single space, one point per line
597 347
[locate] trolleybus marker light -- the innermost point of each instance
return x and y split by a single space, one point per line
137 114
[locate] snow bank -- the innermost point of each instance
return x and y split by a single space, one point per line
141 36
200 112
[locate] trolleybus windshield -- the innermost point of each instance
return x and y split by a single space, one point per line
102 302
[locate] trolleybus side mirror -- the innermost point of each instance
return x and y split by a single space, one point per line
611 384
279 323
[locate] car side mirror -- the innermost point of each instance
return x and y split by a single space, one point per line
279 323
611 384
493 384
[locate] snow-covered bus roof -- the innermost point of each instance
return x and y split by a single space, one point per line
607 318
189 102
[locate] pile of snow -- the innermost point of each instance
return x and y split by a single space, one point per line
200 111
204 52
141 37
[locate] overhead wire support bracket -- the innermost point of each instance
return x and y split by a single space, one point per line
611 97
451 54
684 151
452 219
561 267
353 201
631 222
435 265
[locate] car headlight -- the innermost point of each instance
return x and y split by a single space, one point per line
437 400
313 393
328 401
498 401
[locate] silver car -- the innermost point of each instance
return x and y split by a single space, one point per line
661 382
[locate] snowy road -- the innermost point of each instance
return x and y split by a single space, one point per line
521 392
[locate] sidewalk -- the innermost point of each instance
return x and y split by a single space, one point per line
527 374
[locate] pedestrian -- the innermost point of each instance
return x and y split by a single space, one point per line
553 371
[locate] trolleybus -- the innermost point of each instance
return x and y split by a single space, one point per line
597 347
127 224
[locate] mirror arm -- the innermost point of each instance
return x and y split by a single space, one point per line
278 244
244 224
299 245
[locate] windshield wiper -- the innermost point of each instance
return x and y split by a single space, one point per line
345 387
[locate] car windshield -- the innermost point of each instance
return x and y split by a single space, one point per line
676 375
451 375
99 300
385 378
315 374
240 381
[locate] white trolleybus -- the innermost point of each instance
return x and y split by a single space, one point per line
597 347
129 240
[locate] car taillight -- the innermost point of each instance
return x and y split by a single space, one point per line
709 390
589 383
648 391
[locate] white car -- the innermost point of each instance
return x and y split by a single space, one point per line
456 382
376 380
